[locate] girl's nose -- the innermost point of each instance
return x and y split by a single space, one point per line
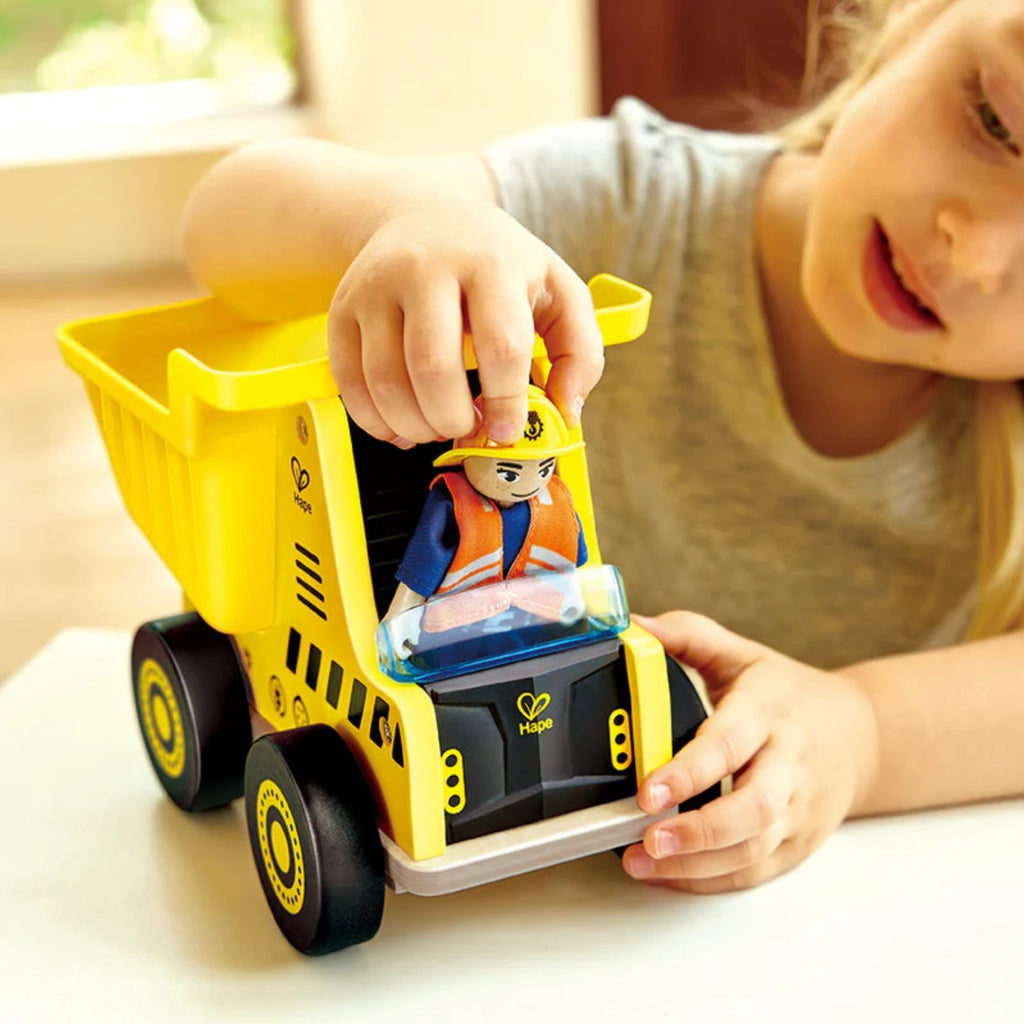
981 250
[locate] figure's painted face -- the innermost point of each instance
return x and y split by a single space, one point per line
508 480
915 238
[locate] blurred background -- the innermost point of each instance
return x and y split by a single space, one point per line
112 109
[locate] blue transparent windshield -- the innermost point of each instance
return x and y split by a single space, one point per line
509 621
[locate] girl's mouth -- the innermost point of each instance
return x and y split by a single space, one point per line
889 296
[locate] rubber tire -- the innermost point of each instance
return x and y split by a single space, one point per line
199 753
337 892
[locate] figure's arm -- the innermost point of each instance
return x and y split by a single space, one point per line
428 553
581 545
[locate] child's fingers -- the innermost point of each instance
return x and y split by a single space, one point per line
757 803
433 356
724 743
383 354
573 340
345 348
707 863
715 652
502 327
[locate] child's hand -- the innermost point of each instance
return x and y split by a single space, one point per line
800 743
438 265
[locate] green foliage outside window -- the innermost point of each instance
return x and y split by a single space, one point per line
245 45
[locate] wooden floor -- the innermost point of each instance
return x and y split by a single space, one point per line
69 554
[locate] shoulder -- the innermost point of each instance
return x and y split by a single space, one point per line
440 499
694 163
454 492
612 193
442 485
634 137
635 117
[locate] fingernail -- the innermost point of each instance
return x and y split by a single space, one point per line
665 843
639 864
577 407
659 796
401 442
503 432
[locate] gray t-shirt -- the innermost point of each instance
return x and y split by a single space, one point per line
706 496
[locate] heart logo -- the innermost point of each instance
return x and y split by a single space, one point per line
299 475
532 706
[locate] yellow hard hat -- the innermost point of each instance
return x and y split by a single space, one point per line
545 435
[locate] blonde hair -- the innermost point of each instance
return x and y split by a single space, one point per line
852 34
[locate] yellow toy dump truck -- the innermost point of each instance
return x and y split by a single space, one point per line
284 524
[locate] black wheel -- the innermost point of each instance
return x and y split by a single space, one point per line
313 832
191 703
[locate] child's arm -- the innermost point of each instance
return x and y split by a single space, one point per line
808 748
421 251
950 725
272 227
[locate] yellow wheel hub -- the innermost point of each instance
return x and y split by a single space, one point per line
279 846
161 718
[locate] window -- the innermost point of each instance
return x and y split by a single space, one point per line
101 99
94 177
241 49
100 78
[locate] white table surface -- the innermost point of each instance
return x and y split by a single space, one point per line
115 906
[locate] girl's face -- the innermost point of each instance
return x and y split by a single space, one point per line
915 236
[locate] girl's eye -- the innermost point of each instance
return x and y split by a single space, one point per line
994 127
510 476
545 472
984 117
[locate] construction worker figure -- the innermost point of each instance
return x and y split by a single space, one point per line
499 519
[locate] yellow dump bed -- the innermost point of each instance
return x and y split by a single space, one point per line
186 397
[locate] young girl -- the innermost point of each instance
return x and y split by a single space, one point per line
819 442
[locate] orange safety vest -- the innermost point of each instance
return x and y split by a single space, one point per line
550 545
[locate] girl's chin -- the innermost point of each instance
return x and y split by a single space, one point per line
850 332
844 325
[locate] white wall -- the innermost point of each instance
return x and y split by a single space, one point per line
94 216
386 75
451 74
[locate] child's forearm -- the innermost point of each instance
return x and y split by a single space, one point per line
950 725
272 228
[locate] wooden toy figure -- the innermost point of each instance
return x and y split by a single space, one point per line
496 529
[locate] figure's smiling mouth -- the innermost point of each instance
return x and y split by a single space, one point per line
529 494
